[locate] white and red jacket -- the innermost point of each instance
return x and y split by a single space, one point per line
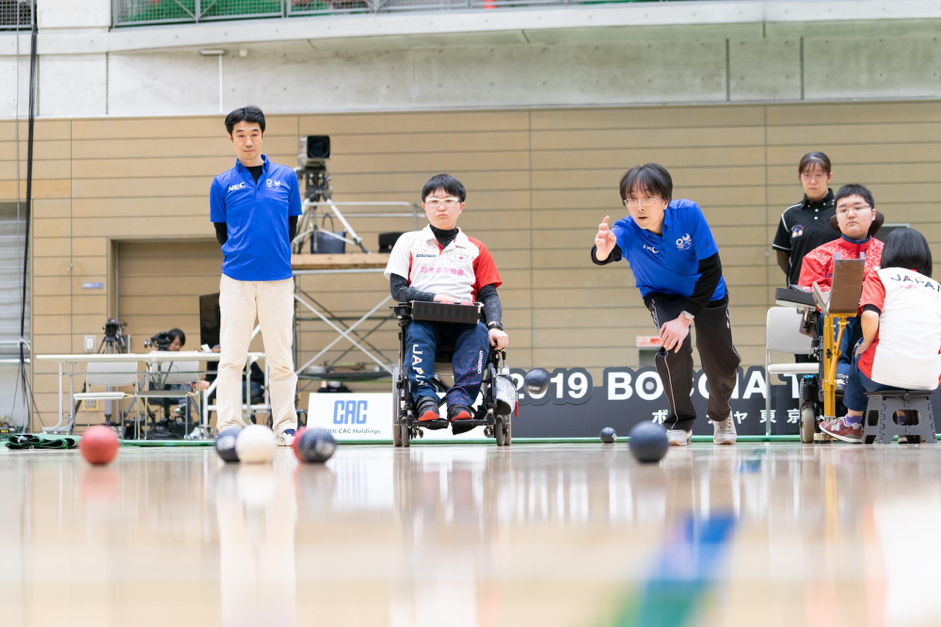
907 350
818 263
460 270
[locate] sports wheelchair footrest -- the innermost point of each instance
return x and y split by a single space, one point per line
440 423
471 423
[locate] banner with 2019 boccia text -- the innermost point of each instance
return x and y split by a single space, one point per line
577 405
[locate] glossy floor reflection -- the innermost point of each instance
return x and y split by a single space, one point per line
567 534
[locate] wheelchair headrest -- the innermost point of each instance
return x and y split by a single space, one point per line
873 228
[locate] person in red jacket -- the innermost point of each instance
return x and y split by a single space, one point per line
857 220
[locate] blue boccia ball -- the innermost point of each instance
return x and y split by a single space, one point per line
316 446
648 442
608 435
225 444
536 381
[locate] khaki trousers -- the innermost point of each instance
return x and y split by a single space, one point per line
273 303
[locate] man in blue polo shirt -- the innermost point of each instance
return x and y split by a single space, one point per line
676 266
254 207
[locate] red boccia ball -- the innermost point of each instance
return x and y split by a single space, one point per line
297 440
99 445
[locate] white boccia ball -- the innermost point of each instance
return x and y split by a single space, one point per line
255 444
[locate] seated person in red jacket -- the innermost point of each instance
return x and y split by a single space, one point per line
857 220
441 263
901 321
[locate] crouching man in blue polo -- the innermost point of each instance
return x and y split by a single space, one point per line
254 207
676 266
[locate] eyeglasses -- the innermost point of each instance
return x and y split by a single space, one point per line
643 202
814 177
842 211
434 203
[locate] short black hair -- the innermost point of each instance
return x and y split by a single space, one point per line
446 182
651 176
251 113
814 158
854 189
907 248
177 333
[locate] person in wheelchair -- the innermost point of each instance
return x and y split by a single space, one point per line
857 221
441 263
900 313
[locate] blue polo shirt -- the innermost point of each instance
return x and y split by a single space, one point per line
256 217
669 263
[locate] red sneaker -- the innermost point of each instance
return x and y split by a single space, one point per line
841 430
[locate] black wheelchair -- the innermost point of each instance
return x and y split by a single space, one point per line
498 404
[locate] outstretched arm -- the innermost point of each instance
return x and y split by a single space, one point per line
606 249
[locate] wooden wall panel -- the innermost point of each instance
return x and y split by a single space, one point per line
538 184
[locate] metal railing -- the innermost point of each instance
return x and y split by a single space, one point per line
147 12
16 14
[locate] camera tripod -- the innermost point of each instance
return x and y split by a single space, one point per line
317 193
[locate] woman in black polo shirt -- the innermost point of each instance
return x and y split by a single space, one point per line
806 225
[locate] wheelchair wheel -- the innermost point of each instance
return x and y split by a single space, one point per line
502 431
396 409
405 434
808 424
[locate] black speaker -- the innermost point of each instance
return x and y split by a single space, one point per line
387 241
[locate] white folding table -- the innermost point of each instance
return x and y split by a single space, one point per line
151 361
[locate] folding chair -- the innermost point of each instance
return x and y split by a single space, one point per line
168 373
108 374
782 335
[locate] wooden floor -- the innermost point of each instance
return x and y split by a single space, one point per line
472 535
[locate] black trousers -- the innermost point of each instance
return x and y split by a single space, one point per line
719 358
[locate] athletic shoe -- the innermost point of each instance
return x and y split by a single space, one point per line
428 416
723 431
841 430
286 437
678 437
428 409
459 412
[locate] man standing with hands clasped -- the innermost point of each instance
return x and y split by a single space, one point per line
254 207
676 266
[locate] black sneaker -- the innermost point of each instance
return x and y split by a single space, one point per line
428 416
459 412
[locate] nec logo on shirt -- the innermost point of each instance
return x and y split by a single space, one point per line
241 185
651 249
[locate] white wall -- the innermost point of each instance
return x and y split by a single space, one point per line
620 54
